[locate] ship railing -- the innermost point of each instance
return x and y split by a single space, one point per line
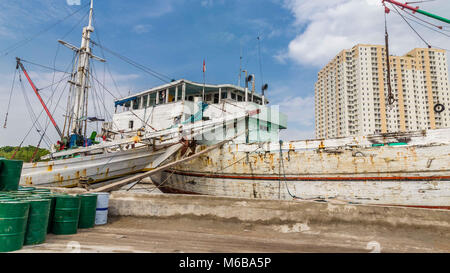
159 139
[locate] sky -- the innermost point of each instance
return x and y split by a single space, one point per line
173 37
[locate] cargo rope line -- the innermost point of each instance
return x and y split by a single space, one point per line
284 173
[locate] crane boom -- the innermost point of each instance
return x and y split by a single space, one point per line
19 64
418 10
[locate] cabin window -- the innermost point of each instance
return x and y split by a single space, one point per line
216 98
127 105
136 103
172 95
144 101
239 98
191 98
208 97
179 95
131 124
162 97
152 99
233 96
224 95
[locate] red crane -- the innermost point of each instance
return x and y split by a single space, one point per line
36 91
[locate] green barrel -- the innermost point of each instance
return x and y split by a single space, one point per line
37 221
88 209
13 224
52 198
42 191
18 194
67 212
10 171
7 200
26 189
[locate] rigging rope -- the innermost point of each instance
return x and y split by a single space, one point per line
43 66
106 65
137 65
440 32
259 59
429 46
10 96
27 40
37 125
284 172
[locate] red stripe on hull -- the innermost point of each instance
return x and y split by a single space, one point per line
170 190
287 178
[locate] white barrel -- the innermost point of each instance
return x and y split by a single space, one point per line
101 215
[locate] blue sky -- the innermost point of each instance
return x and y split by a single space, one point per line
174 36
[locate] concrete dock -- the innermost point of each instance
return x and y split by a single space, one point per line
141 222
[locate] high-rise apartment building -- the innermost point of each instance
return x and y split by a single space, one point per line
352 90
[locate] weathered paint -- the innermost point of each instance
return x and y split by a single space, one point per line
357 173
67 172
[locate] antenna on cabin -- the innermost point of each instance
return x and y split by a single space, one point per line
263 89
240 68
246 84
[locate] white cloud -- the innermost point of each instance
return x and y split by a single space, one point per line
300 110
329 26
210 3
296 134
142 28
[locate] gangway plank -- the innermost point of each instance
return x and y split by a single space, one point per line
138 177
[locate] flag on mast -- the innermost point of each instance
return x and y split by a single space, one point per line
204 80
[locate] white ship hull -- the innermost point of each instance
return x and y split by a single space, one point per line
415 175
93 168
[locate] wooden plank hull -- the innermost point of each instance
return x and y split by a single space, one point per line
96 168
404 175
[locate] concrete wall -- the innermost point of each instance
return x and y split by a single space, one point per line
271 211
251 210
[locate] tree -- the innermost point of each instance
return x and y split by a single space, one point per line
24 153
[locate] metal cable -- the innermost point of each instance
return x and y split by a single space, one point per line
27 40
